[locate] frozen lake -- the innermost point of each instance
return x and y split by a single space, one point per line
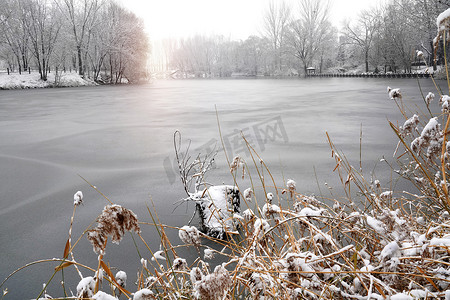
120 138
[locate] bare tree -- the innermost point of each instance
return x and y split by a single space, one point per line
81 15
328 48
14 33
275 23
398 38
362 33
419 17
128 44
308 31
43 24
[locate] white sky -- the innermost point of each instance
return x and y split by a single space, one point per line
235 18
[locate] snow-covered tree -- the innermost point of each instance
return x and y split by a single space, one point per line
275 25
362 32
43 23
14 35
127 45
81 17
308 31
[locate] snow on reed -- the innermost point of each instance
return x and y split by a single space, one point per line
78 198
113 222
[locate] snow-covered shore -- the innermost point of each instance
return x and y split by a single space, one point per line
31 81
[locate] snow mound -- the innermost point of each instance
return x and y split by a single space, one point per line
216 206
31 81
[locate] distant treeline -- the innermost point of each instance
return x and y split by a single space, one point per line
380 39
97 38
103 40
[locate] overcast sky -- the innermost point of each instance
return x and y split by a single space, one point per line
235 18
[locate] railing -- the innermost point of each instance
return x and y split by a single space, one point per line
389 75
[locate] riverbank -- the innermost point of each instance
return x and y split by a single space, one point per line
32 81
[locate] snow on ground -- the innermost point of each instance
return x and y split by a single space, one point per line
30 81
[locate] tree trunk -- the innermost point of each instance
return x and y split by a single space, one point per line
367 61
432 60
44 70
80 62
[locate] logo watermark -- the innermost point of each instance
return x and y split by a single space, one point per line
258 135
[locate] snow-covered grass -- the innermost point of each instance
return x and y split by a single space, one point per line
30 81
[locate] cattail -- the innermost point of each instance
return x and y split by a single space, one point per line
337 206
196 275
101 296
86 287
190 235
144 263
248 193
269 197
214 285
248 215
99 275
385 196
431 132
270 209
209 253
113 221
419 54
377 183
429 98
78 198
144 294
180 264
410 124
236 163
121 278
149 281
394 93
444 103
260 228
291 185
434 149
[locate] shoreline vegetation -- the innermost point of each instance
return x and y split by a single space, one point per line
374 243
108 43
15 81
